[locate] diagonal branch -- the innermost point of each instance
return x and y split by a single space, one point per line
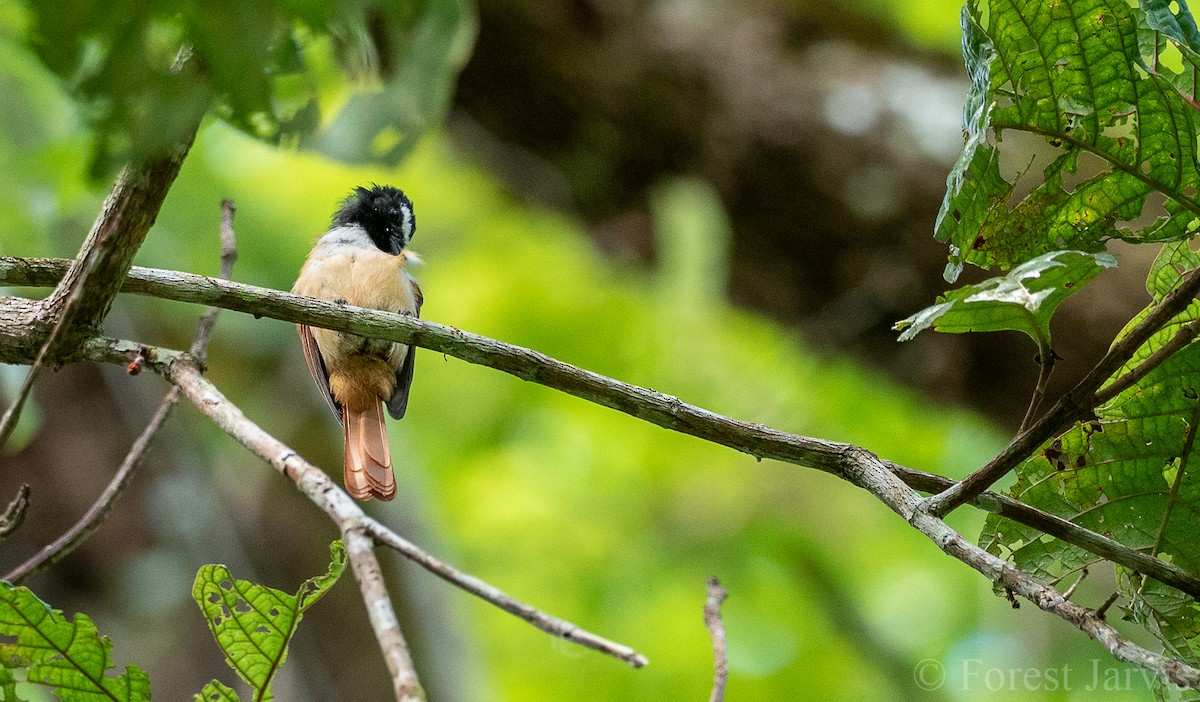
749 438
866 470
182 370
1075 404
87 525
80 301
61 547
551 625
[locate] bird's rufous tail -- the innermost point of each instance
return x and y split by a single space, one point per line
368 462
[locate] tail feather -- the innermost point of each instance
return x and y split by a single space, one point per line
368 461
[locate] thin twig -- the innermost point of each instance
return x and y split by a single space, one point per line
14 514
1186 334
1045 360
228 257
551 625
1173 496
1102 610
91 520
1077 402
716 631
1071 590
347 514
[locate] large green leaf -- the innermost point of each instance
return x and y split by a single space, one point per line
1074 73
1024 300
253 624
68 656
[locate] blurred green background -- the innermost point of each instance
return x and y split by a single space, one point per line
583 512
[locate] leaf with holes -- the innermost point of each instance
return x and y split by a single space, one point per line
68 656
1085 76
1024 300
216 691
1133 474
253 624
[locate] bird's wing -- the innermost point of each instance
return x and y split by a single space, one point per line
317 367
398 403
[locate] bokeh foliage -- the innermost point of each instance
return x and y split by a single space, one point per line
144 73
585 512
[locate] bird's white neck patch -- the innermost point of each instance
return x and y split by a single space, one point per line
348 236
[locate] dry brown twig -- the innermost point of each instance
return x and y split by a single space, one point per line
716 595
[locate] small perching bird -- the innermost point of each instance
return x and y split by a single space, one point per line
362 261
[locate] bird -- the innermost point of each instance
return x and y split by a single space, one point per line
363 260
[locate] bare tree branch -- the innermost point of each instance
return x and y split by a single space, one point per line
107 253
228 258
92 519
80 301
353 523
361 549
849 462
1075 404
756 440
61 547
551 625
1090 541
716 631
864 469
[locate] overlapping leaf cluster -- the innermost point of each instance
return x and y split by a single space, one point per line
145 72
1110 89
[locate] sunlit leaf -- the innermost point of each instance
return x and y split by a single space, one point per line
1024 300
253 624
68 656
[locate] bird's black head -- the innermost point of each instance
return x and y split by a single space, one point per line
384 212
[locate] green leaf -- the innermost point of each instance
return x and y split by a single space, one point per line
415 58
1131 474
69 656
144 73
253 624
216 691
1073 73
1024 300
